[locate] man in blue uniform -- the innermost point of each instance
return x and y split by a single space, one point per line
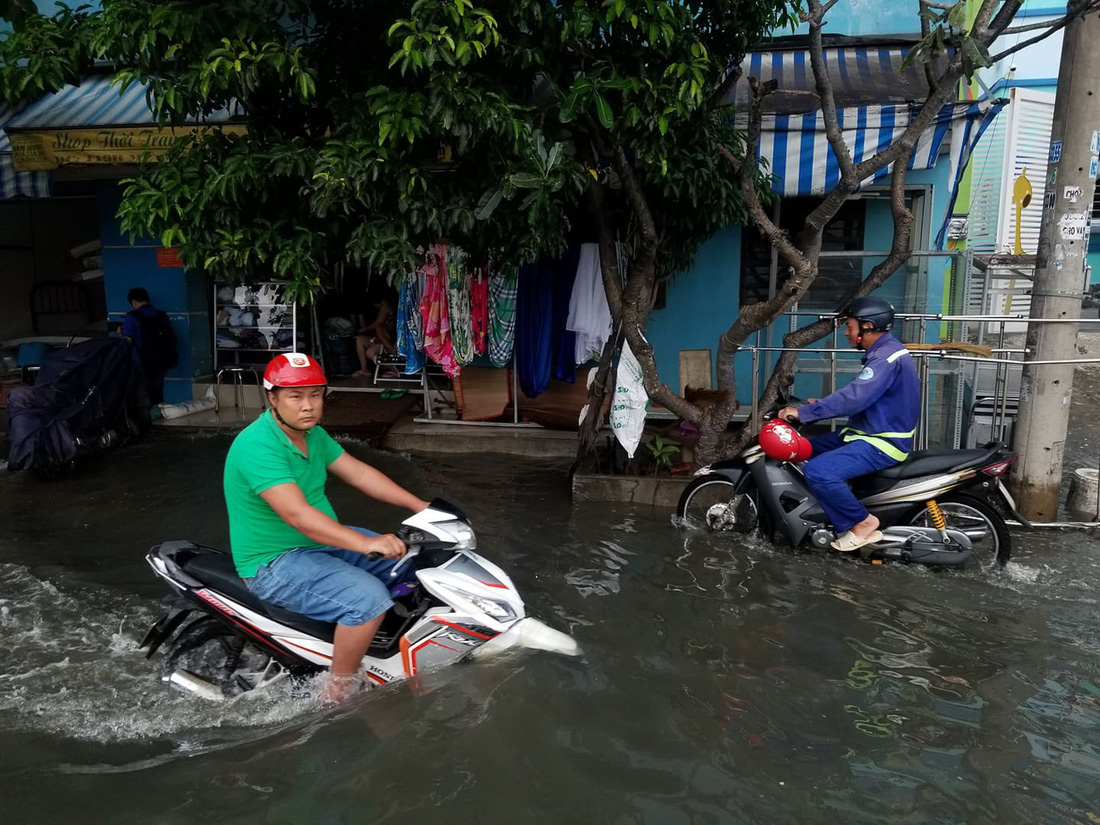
882 405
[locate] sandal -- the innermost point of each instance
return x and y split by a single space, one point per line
850 542
386 395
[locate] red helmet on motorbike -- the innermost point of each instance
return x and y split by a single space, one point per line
293 369
781 441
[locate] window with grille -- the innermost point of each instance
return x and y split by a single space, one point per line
837 278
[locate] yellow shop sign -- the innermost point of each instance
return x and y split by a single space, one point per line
38 151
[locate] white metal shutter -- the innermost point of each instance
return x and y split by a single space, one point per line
986 175
1031 118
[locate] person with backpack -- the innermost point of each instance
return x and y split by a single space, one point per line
150 331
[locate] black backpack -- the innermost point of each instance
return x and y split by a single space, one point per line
158 342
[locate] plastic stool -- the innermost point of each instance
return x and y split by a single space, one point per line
236 376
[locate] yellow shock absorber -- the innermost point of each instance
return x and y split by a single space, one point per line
938 521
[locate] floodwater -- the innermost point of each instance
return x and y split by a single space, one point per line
722 680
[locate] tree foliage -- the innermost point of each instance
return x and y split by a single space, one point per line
377 128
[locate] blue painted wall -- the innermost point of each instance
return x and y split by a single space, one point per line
869 17
182 295
701 305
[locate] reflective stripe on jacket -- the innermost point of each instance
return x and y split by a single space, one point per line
882 402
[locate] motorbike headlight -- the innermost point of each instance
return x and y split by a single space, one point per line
462 533
500 612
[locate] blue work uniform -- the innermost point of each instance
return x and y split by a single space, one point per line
883 405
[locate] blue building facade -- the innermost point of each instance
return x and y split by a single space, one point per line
874 92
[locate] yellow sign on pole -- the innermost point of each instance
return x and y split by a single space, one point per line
1021 196
40 151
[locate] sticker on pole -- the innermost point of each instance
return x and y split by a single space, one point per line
1094 147
1073 193
1055 151
1071 226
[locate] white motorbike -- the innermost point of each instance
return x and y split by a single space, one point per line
449 604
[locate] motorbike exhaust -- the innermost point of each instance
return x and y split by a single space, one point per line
193 684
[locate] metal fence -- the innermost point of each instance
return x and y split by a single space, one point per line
960 406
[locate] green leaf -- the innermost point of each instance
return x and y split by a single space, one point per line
526 180
603 110
488 204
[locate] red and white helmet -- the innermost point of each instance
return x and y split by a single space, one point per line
293 369
781 441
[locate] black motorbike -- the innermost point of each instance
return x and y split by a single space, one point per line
938 507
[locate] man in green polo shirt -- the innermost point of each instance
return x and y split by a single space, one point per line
286 542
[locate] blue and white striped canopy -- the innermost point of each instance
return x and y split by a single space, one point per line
95 102
18 184
804 164
861 74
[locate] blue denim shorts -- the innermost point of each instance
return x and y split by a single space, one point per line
327 584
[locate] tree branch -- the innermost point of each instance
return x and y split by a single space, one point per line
981 26
636 299
1054 28
1001 21
609 261
925 30
636 199
747 168
825 87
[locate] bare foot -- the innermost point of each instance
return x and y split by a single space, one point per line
866 527
340 689
361 374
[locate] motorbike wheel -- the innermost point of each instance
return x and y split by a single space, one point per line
714 506
986 528
222 657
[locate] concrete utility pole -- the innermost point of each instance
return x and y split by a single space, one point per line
1040 436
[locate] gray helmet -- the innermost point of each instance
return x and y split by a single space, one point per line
873 310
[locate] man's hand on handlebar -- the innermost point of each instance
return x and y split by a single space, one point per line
389 546
789 414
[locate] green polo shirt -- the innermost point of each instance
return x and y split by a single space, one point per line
262 457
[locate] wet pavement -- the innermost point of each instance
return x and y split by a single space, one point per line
722 680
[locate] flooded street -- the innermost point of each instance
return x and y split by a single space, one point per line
721 680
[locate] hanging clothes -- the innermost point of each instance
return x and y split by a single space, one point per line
479 309
503 289
433 311
534 331
589 314
563 342
458 305
417 324
410 325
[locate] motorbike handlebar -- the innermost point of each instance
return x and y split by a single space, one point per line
409 537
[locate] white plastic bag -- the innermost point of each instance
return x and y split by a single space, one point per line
628 407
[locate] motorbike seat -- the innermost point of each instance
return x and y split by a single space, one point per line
931 462
217 571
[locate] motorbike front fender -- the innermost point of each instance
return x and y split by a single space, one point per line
736 474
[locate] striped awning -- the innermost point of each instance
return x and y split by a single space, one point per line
862 74
96 102
15 184
97 122
798 153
